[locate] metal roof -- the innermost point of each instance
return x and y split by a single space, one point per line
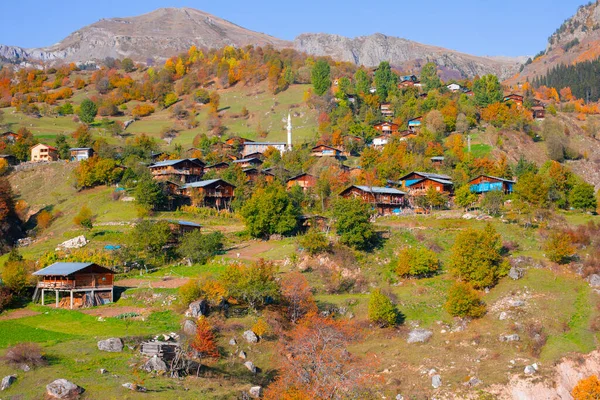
265 143
376 189
200 184
80 148
186 223
62 268
428 175
167 163
442 181
493 177
243 160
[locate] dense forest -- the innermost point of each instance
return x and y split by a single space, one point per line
583 79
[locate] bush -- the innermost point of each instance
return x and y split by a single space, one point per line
202 96
5 298
142 110
170 99
25 353
254 285
587 389
4 167
559 248
261 327
199 247
464 301
270 210
190 291
44 219
15 276
314 242
84 218
417 261
381 309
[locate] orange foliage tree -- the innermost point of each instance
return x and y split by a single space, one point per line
204 342
298 296
587 389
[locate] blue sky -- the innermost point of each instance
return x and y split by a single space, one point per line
480 27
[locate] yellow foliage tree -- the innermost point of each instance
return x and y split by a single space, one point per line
587 389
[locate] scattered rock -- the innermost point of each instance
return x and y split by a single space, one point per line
255 392
594 280
436 381
516 273
516 303
276 236
233 342
155 364
509 338
250 337
529 370
251 367
189 328
7 381
63 389
75 243
472 382
419 335
242 355
134 387
103 371
25 367
503 315
535 366
197 309
399 397
113 345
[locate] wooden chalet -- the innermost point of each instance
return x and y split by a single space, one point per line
323 150
81 153
437 161
248 162
42 152
10 159
387 128
415 123
386 109
515 98
254 174
407 134
214 192
232 141
304 180
486 183
220 166
180 228
178 171
409 179
422 186
260 156
538 111
385 200
89 281
9 137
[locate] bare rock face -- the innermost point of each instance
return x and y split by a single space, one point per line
63 389
419 335
373 49
112 345
189 327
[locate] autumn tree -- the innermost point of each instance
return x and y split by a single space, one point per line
487 90
559 247
587 389
84 218
205 343
382 310
476 257
416 261
464 301
316 363
253 285
87 111
320 77
434 122
44 219
4 167
297 294
464 197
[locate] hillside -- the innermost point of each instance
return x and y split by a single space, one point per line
576 40
157 35
405 54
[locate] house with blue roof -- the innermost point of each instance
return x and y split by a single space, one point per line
486 183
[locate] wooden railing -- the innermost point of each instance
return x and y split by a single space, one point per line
69 285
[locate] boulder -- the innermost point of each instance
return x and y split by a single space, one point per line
75 243
25 367
594 280
233 342
419 335
516 303
113 345
242 355
503 315
103 371
255 392
472 382
63 389
516 273
189 327
509 338
134 387
251 367
7 381
155 364
436 381
399 397
197 309
250 337
529 370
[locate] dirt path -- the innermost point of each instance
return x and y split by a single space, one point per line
164 283
16 314
250 250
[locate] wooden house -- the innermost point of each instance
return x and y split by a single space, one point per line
386 110
323 150
42 152
304 180
387 128
9 137
385 200
81 153
90 280
214 192
10 159
220 166
180 228
178 171
260 156
234 140
486 183
415 123
413 177
437 161
248 162
515 98
381 140
538 111
261 147
254 174
407 134
422 186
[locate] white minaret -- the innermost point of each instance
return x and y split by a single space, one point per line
289 132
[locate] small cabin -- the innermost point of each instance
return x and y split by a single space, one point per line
515 98
179 171
214 192
380 141
180 228
437 161
453 87
322 150
305 181
407 134
248 162
10 137
415 123
486 183
88 284
422 186
42 152
220 166
538 112
386 201
414 177
386 110
81 153
387 128
254 174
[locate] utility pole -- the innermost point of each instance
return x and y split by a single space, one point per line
468 142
